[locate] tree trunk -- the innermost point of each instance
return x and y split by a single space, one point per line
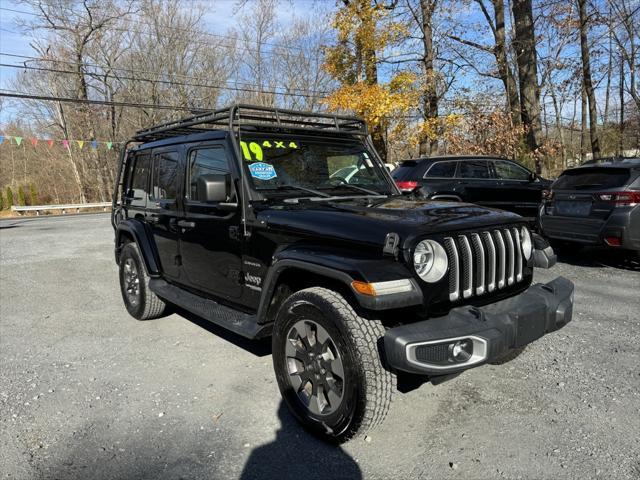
504 70
430 95
586 79
621 143
583 123
525 48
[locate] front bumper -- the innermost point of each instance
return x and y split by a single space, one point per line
494 330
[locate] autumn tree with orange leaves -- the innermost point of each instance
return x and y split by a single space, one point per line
364 30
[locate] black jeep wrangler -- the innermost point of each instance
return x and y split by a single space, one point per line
235 215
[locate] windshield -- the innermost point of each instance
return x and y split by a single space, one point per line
299 166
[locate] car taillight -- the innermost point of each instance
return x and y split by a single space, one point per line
406 186
547 194
620 198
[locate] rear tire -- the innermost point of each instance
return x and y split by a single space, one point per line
140 301
327 361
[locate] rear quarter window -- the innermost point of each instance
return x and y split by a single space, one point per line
441 170
406 170
592 179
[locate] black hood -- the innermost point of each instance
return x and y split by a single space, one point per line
368 221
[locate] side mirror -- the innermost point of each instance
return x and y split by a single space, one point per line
533 177
213 188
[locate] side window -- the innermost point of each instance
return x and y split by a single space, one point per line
204 161
474 169
441 170
140 176
510 171
165 175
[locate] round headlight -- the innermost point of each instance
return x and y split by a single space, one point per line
527 244
430 261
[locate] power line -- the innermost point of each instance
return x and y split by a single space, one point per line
166 82
26 96
137 70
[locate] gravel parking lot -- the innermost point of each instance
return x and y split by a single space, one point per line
88 392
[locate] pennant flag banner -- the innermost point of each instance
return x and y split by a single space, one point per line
66 143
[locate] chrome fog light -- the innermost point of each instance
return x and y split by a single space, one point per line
461 351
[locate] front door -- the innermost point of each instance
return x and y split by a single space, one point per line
162 213
210 237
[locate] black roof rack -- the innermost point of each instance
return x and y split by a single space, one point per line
241 115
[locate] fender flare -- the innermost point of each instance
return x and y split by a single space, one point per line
385 302
138 232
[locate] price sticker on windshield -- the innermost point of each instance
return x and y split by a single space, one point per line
253 151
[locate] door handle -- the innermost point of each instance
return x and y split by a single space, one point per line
186 224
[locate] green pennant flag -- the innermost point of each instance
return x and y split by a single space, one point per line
18 140
109 145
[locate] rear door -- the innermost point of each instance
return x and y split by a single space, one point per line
438 180
515 190
476 182
210 245
163 212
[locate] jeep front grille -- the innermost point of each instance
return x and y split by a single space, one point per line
483 262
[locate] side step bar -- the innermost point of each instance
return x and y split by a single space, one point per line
238 322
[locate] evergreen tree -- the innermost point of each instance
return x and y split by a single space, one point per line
9 197
33 194
21 199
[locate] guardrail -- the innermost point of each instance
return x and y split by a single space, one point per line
73 206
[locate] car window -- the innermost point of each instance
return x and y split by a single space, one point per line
140 174
204 161
165 173
592 178
406 170
441 170
474 169
510 171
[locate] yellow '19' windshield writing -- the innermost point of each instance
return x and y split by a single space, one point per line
253 150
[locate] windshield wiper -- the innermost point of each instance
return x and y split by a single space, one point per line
343 183
288 186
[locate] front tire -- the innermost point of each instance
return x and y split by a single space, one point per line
328 365
140 301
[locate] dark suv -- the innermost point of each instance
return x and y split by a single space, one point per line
234 215
489 181
596 204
